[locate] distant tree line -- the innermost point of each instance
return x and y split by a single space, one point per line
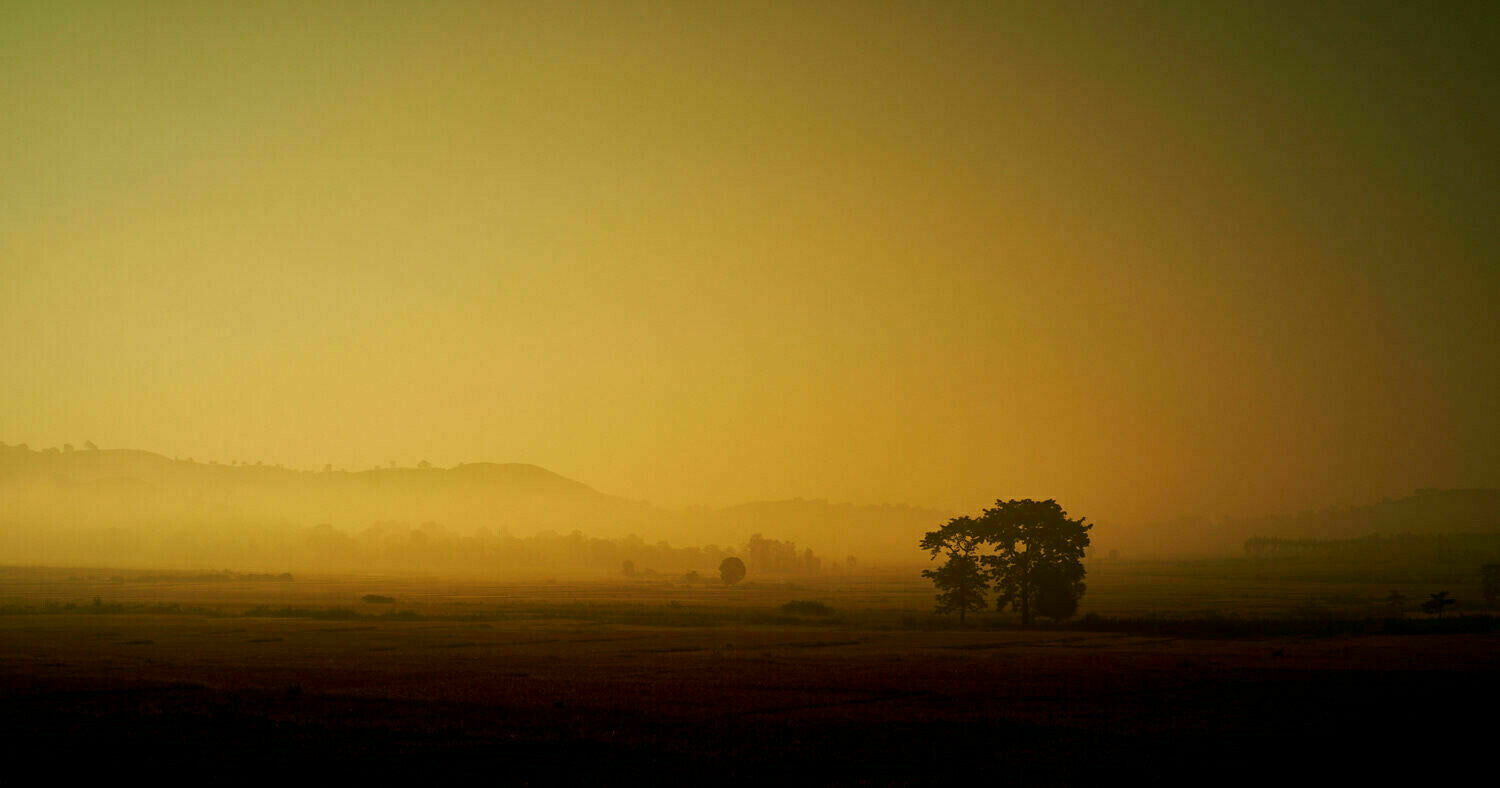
395 544
772 556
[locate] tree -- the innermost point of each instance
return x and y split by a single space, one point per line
1057 592
1033 540
960 580
1395 603
731 570
1438 602
1489 583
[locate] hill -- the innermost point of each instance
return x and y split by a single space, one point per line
140 507
1425 512
1428 511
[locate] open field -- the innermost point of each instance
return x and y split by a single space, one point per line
627 681
888 597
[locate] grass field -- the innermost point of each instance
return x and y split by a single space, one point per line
612 680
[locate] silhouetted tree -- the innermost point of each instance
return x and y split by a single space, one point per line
1489 583
960 580
1395 603
1029 536
731 570
1437 603
1056 592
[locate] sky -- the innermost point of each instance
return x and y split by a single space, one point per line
1149 259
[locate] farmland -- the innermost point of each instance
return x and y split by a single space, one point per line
556 680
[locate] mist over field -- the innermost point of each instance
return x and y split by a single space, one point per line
136 508
877 392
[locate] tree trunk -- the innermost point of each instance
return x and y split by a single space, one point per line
1026 591
963 599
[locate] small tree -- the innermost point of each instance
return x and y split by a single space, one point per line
731 570
960 580
1438 602
1489 583
1395 604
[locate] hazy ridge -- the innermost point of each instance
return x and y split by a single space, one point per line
143 507
138 507
1425 512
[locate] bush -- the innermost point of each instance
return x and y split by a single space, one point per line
731 570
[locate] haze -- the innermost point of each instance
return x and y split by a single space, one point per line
1149 262
750 393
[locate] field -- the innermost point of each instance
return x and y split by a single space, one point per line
621 682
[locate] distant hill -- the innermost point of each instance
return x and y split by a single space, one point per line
1428 511
73 505
117 486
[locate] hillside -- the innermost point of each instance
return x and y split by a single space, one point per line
1425 512
139 506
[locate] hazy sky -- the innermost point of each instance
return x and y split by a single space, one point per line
1146 259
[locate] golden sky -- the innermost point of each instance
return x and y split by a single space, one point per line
1146 259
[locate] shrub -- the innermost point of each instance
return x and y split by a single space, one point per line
731 570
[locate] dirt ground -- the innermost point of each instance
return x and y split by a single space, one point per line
547 698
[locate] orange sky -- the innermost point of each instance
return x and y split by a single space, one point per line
1150 260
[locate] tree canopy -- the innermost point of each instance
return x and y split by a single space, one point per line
1437 603
1032 541
1034 560
960 580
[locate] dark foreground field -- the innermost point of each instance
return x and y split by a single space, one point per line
623 697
